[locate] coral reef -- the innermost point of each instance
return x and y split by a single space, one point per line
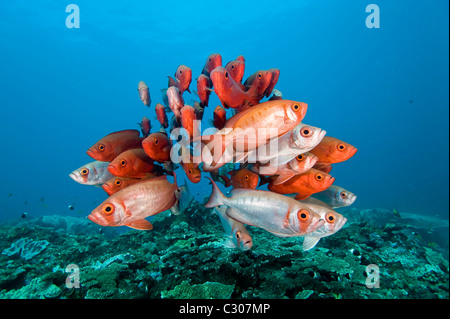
183 257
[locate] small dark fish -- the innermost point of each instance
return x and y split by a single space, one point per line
10 194
396 213
24 215
71 207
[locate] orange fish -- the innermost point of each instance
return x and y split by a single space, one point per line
192 171
131 163
243 131
213 61
229 92
176 101
220 117
332 150
157 146
115 184
236 69
188 119
146 126
203 89
131 205
306 184
241 178
183 78
161 115
108 147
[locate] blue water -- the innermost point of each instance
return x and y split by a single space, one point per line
384 90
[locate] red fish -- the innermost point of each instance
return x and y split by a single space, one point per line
192 171
229 92
220 117
131 205
157 146
144 93
161 115
108 147
306 184
332 150
241 178
176 101
260 80
183 78
115 184
236 69
203 89
131 163
146 126
188 120
213 61
273 81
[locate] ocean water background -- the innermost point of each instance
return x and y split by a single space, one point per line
383 90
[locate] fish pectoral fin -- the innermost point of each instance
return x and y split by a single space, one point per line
282 178
310 242
228 243
141 224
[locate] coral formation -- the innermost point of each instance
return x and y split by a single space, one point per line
185 258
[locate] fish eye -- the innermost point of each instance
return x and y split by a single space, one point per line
237 234
118 182
123 163
84 172
319 177
305 132
300 157
108 209
156 141
303 214
232 66
209 59
330 217
226 75
341 147
190 171
101 147
259 75
246 177
343 194
296 107
181 72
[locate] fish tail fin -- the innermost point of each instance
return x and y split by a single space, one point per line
216 198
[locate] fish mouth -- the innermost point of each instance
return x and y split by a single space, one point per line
73 176
91 153
353 151
96 218
247 245
316 225
112 169
352 199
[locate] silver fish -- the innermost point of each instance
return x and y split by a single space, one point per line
236 233
94 173
336 196
275 213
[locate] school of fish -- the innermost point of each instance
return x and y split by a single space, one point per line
250 143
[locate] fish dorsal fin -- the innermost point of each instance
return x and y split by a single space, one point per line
310 242
141 224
